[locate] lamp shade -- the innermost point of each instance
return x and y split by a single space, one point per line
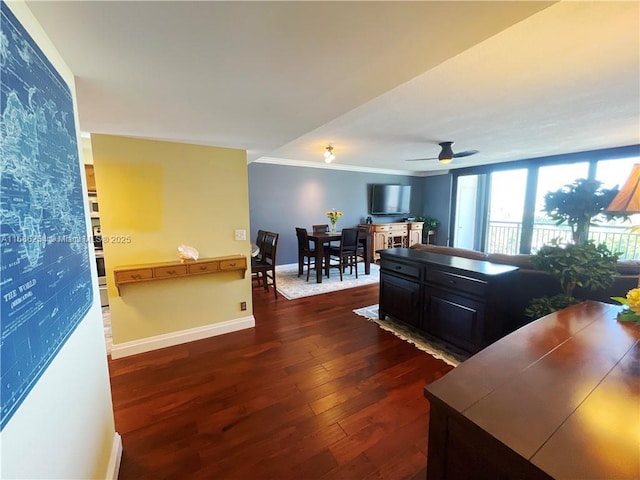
628 198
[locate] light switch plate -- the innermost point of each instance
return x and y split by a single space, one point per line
241 234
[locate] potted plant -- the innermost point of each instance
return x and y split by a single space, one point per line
430 224
574 265
578 204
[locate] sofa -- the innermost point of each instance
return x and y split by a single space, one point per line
533 283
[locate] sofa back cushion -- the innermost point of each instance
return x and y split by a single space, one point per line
628 267
457 252
521 260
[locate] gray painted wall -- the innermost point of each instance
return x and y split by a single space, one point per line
282 198
436 196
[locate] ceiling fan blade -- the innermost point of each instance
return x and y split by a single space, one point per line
420 159
466 153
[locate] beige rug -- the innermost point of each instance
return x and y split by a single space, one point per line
419 339
291 286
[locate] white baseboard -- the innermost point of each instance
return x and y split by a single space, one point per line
113 469
183 336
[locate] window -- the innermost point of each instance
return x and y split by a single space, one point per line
550 179
501 210
506 209
616 234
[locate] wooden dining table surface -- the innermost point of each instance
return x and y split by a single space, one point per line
557 399
321 241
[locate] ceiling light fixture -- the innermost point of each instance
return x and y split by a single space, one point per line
446 155
328 154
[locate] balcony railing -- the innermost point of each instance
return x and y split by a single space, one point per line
504 237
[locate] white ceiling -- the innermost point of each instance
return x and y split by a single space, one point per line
381 81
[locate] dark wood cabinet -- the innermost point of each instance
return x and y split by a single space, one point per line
401 298
458 300
456 319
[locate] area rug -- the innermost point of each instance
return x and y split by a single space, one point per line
291 286
415 337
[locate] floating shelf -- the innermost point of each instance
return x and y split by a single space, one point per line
160 271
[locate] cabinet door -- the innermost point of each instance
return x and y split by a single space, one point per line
415 236
456 319
380 242
400 299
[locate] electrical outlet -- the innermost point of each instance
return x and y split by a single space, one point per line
243 306
241 235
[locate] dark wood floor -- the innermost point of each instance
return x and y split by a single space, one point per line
313 392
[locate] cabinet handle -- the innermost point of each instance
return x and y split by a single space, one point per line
171 272
232 264
398 267
202 268
136 276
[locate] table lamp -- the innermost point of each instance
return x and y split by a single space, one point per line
627 201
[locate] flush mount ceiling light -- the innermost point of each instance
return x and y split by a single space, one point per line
328 154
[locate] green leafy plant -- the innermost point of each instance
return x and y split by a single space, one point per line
586 265
539 307
579 204
631 302
430 223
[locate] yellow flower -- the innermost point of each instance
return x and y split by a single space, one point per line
633 299
334 215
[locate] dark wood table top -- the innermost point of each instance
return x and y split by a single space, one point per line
325 236
562 392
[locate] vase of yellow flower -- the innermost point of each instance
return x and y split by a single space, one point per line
333 216
632 303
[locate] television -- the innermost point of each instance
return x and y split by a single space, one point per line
390 199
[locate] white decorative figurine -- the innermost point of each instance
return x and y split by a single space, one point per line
185 252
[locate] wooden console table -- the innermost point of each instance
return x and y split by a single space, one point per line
176 269
393 235
557 399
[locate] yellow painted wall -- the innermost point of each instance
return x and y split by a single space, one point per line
154 196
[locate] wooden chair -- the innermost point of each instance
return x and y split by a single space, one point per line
260 241
362 241
321 228
347 252
306 254
265 268
255 276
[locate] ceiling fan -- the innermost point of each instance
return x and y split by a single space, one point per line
446 154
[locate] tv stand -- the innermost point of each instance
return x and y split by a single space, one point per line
393 235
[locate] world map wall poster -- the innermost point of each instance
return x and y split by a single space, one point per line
45 274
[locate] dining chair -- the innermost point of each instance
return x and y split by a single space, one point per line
321 228
265 268
362 240
255 276
260 241
346 253
306 253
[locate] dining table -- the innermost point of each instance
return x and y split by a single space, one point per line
323 239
